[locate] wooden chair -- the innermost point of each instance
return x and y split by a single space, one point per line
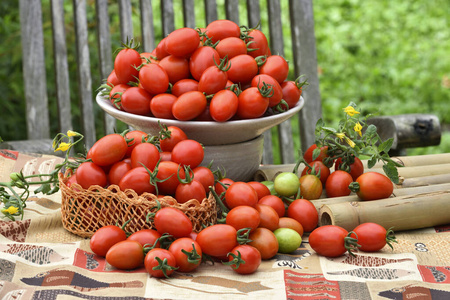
300 50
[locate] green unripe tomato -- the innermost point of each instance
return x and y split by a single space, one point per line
288 240
286 184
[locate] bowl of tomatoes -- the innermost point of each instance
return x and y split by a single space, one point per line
205 132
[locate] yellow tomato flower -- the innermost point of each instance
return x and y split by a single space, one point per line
71 133
63 147
350 110
11 210
358 128
340 135
350 142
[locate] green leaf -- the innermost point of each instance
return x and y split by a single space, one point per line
45 188
329 129
315 154
391 171
371 162
370 131
386 145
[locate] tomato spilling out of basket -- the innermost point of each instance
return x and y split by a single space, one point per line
218 73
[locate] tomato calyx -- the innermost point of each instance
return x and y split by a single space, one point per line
351 243
164 240
390 237
236 261
223 210
189 175
163 266
301 84
129 44
193 256
242 236
224 64
354 187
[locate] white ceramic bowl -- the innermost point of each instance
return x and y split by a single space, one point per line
205 132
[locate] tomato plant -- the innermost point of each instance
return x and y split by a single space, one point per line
125 255
337 184
332 241
372 186
373 237
187 253
105 237
244 259
160 263
305 213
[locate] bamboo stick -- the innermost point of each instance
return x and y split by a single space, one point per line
425 181
403 213
397 193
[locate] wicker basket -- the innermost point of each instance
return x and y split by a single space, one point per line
85 211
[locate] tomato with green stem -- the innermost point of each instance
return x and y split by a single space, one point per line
257 43
173 221
292 90
126 63
139 180
261 79
317 167
172 136
187 252
214 78
145 154
373 237
372 186
332 241
203 58
160 263
356 168
134 138
311 154
275 66
189 188
244 259
168 172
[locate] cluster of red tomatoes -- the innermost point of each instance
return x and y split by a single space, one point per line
253 229
166 165
317 176
216 73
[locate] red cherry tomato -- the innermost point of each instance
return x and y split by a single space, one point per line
182 42
337 184
192 190
167 174
213 79
305 213
244 259
308 155
261 79
137 179
172 221
221 29
146 237
105 237
265 241
108 150
89 174
188 153
202 59
184 85
136 101
373 237
356 168
125 255
223 105
160 49
187 253
292 90
189 106
176 135
134 137
275 202
316 167
286 222
260 188
275 66
240 193
117 171
125 64
116 93
243 68
329 240
257 43
374 186
231 47
268 217
157 257
243 217
161 105
176 67
252 104
217 240
145 154
205 176
154 78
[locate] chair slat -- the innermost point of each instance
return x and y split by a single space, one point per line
84 72
126 22
232 11
305 61
148 32
61 68
38 124
189 13
168 20
210 11
104 54
253 13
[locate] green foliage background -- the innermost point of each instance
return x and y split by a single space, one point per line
389 57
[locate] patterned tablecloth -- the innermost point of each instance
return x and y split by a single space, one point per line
39 259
